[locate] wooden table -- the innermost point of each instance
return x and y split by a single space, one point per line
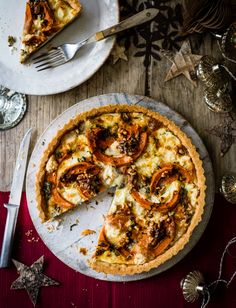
131 77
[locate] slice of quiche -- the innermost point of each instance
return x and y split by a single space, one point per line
43 20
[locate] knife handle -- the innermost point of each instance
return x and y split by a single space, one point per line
12 211
135 20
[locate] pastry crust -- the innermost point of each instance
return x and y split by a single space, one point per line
130 269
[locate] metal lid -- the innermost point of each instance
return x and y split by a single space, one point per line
13 106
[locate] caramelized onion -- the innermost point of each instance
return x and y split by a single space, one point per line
100 140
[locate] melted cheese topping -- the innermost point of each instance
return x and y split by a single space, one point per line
166 138
140 119
192 193
111 177
119 199
52 164
113 150
64 11
115 236
148 162
168 194
139 258
71 138
72 195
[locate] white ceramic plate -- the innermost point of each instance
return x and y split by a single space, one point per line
96 15
66 240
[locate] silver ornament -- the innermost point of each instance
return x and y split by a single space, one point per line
216 79
211 74
218 101
228 188
13 106
192 286
227 43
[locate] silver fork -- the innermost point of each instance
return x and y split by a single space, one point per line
60 55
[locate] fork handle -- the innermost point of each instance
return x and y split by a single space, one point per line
135 20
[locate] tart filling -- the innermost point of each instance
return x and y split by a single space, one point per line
157 173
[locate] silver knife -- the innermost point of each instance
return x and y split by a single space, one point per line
14 200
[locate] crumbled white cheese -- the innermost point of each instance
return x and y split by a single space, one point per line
192 193
115 235
185 161
72 195
111 177
139 258
113 149
167 138
120 198
171 189
52 164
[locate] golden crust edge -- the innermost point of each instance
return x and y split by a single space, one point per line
122 269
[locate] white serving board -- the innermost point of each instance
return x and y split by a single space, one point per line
64 242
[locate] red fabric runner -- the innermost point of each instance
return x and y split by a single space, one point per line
77 290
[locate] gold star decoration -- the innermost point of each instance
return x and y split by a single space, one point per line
118 53
31 278
184 62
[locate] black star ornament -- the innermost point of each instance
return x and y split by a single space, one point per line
226 131
31 278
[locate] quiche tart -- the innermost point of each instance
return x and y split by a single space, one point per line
157 172
43 20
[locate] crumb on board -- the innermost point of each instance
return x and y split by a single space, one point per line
50 228
75 224
87 232
72 226
29 232
53 225
30 237
83 250
11 40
